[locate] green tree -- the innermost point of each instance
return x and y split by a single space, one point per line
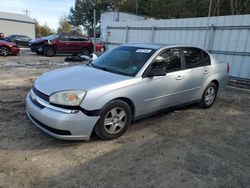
37 29
46 30
64 25
82 13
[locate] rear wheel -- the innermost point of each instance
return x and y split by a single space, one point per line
114 121
209 96
86 52
4 51
39 53
49 51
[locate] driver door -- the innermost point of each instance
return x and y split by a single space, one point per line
164 91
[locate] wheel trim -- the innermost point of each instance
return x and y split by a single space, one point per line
50 51
4 51
115 120
210 95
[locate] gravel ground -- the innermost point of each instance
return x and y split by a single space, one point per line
188 147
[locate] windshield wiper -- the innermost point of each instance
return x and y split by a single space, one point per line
90 63
111 70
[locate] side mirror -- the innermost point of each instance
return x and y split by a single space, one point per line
156 72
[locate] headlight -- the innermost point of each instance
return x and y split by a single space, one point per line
68 98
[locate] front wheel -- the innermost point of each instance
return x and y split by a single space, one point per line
209 96
4 51
49 51
114 121
86 52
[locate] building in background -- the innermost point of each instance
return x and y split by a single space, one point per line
11 23
116 16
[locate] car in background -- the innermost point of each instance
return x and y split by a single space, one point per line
1 36
124 84
20 40
100 47
62 43
8 48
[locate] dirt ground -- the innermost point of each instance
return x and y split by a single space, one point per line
188 147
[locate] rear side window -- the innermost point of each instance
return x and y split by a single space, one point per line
169 60
64 38
77 39
195 57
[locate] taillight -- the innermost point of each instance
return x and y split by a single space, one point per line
228 68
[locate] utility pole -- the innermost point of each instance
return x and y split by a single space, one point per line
94 13
26 12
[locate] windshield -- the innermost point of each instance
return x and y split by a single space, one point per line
52 37
124 60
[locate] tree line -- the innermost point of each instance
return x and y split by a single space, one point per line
64 27
81 14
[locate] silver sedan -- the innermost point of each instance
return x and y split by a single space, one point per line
126 83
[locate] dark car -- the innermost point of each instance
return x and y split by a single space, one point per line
20 40
8 48
62 43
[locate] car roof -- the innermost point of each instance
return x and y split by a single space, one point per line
157 46
72 35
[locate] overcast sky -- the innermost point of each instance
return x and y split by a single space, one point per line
45 11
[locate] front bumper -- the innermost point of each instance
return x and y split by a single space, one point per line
14 50
36 48
59 124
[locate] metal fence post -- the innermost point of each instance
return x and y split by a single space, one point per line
126 36
211 38
152 33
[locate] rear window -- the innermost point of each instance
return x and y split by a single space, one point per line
195 57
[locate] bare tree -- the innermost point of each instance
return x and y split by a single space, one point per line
238 6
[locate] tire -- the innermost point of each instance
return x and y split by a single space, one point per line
209 96
39 53
49 51
86 52
4 51
115 118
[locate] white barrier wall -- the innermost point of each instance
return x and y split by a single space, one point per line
227 37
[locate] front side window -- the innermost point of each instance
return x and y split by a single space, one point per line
124 60
52 37
195 57
169 60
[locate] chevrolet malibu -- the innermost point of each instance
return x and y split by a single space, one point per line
125 84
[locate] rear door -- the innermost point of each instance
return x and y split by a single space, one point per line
197 70
64 44
75 42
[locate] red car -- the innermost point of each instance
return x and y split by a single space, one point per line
100 47
8 48
62 43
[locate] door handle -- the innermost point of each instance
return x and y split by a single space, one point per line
205 72
180 77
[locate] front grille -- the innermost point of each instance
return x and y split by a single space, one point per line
40 94
37 103
50 129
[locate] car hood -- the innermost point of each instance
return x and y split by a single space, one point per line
7 43
40 40
79 77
